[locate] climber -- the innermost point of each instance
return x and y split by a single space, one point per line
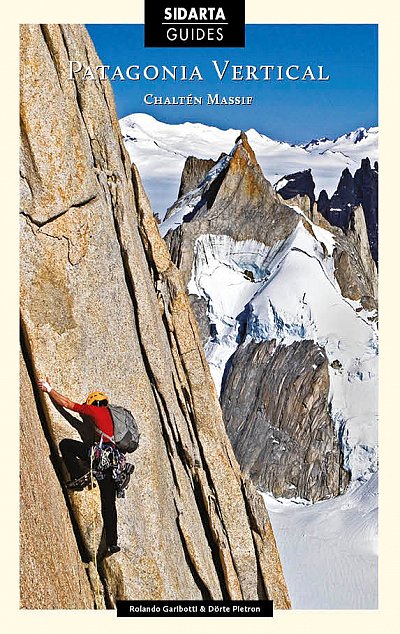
111 470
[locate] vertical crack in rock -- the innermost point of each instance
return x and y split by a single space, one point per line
166 275
52 52
212 536
54 457
191 561
99 320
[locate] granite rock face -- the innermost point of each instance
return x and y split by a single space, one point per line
52 573
355 269
239 203
102 306
194 172
278 419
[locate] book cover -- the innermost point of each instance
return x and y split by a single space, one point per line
199 245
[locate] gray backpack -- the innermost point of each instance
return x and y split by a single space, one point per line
126 433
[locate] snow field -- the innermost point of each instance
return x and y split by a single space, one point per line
329 550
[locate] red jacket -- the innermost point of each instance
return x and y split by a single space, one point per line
99 416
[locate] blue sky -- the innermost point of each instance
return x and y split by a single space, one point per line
294 111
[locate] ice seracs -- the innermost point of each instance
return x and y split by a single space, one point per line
292 295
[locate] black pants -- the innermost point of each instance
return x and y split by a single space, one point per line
77 461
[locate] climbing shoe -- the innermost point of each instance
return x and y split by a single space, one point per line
126 476
111 550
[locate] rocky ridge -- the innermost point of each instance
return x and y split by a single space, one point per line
194 172
103 306
160 149
239 181
360 190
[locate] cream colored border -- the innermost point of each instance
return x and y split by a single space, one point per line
118 11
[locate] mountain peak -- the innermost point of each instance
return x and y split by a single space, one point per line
243 142
234 199
358 135
298 183
242 137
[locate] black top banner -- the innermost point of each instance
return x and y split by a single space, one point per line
194 24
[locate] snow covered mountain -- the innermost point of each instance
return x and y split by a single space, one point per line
286 304
160 150
356 144
263 271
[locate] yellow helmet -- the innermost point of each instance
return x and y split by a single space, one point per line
96 396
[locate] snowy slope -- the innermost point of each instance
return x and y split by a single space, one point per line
160 149
329 550
353 144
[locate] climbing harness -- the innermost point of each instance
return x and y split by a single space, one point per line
80 483
103 458
107 457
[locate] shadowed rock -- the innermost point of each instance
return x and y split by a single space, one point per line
297 184
194 172
323 202
360 190
276 415
366 194
342 202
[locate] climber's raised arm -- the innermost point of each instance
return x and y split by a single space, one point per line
45 386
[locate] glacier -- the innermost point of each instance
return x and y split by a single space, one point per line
289 293
329 550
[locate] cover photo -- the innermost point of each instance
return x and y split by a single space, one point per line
199 317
